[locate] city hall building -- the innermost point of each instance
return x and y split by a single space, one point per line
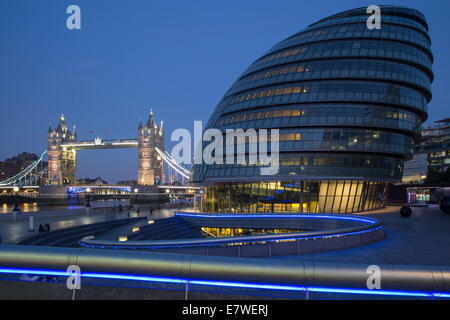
348 102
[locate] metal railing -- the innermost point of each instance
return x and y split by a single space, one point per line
405 280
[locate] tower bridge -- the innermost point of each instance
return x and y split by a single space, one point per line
63 147
58 180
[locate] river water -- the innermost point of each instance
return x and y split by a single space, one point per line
33 207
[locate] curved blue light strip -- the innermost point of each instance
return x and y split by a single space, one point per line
225 242
230 284
310 216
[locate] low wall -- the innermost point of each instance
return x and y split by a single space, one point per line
335 232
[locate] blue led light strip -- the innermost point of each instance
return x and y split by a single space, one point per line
231 284
255 216
243 240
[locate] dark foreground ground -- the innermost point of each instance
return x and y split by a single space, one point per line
422 239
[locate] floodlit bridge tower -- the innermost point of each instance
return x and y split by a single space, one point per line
61 161
63 147
150 163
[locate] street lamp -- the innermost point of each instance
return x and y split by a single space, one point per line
16 204
88 203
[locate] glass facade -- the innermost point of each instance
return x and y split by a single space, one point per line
295 197
348 103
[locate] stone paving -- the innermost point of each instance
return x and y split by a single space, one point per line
14 231
422 239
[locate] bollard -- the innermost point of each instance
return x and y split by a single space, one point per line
31 224
14 212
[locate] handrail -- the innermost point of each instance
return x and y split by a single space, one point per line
116 264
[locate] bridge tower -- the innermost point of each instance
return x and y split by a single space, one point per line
150 164
61 162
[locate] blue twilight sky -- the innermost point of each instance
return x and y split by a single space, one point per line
178 57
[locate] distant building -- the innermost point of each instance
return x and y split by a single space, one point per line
415 170
23 158
127 183
431 156
12 166
436 144
92 182
8 170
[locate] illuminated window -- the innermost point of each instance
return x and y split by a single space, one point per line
287 113
287 90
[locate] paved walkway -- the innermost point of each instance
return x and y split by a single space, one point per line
422 239
14 231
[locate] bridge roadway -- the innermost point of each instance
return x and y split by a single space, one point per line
101 144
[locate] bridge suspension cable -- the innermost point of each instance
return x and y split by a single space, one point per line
173 164
27 175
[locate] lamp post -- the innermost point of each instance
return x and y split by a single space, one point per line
135 191
88 201
16 189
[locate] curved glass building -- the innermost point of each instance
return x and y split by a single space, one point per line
348 102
